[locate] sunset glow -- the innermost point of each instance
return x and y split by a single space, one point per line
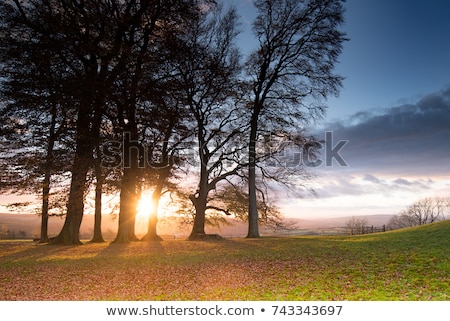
145 205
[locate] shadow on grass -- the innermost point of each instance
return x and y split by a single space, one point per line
136 248
30 251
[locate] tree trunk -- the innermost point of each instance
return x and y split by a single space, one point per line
47 176
98 238
200 199
128 207
70 233
152 234
253 227
198 229
131 230
45 207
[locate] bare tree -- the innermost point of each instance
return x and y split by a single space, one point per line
290 72
401 220
233 200
424 211
165 136
207 65
442 207
356 225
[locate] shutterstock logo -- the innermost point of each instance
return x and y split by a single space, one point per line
333 151
287 150
124 153
312 153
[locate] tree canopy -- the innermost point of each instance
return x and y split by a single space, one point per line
128 95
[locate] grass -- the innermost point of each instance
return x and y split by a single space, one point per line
410 264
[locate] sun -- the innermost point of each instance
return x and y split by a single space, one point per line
145 206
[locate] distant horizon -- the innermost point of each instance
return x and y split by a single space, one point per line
30 224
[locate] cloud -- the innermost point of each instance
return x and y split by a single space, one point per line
401 181
337 184
395 156
390 151
409 140
371 178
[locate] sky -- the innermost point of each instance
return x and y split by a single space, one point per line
393 111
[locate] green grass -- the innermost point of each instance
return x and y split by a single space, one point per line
410 264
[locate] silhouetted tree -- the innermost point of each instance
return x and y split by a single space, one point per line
36 116
165 136
290 72
76 37
99 174
207 68
93 44
233 200
143 44
424 211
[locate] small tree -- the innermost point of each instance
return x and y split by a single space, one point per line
356 225
424 211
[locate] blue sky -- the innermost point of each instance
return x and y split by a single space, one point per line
394 110
399 51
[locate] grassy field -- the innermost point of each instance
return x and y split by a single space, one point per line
411 264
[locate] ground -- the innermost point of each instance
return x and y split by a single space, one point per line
413 264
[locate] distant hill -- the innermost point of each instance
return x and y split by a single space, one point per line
375 220
28 226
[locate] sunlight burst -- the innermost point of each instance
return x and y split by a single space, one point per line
145 206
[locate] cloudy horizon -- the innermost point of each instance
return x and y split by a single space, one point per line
394 156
